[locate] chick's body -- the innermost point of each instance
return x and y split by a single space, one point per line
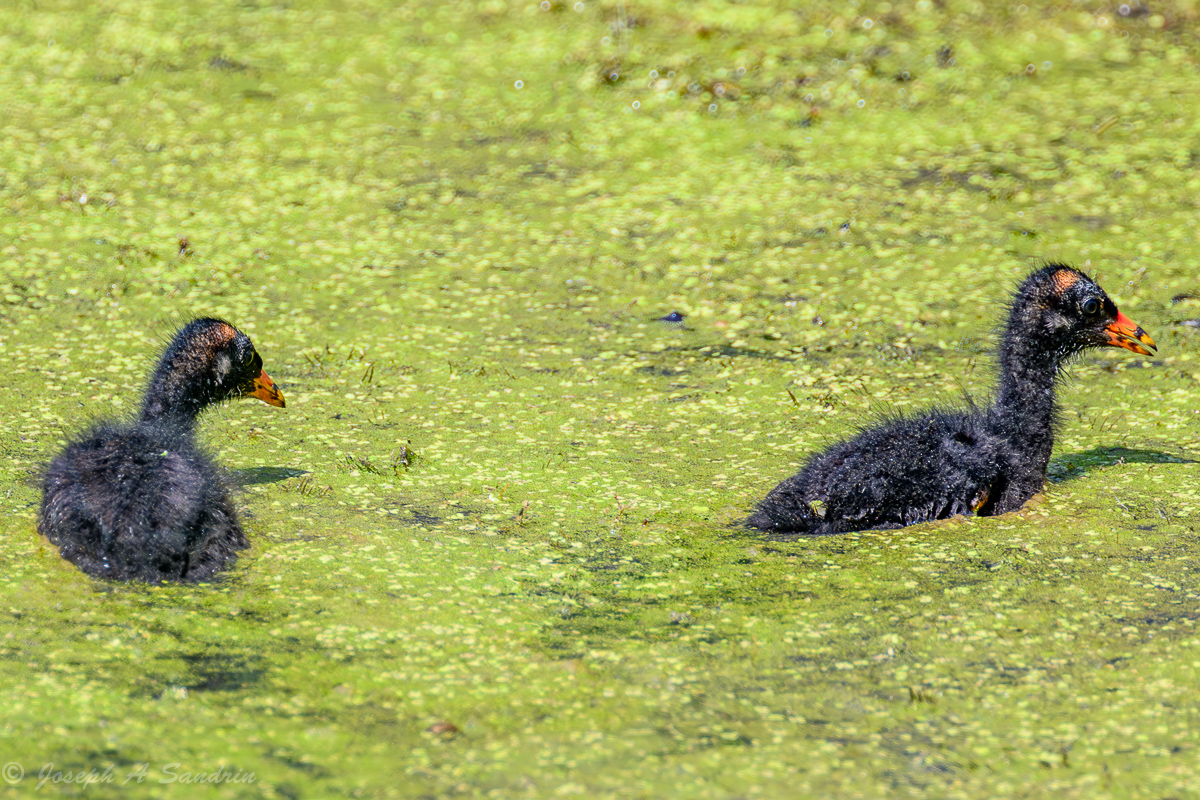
142 503
880 478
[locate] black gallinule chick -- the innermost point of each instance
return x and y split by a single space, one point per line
990 461
140 500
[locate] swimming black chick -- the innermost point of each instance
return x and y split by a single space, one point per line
985 460
140 500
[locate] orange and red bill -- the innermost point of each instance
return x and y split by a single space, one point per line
265 389
1124 332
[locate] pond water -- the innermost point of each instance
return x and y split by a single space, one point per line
496 541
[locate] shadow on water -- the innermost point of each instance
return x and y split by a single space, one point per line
1069 467
220 673
257 475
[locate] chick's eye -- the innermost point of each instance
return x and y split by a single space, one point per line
1091 307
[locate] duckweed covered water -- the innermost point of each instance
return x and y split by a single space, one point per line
496 550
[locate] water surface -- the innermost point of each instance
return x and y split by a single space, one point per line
495 541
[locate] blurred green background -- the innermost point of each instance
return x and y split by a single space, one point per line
496 541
